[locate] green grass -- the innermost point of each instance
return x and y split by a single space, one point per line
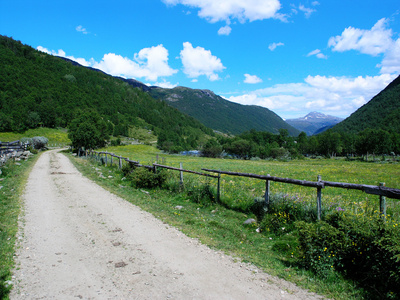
56 137
239 192
12 181
223 228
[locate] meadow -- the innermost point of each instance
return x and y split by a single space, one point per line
239 192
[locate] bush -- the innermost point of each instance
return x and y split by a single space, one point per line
364 250
116 142
283 211
37 142
259 208
202 194
144 178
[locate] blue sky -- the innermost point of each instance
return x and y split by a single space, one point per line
292 57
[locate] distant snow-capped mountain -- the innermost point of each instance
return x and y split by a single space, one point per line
314 122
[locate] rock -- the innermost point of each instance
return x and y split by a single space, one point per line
249 221
179 207
120 264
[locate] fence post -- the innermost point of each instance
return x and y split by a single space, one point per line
319 199
267 186
181 175
105 155
120 163
219 188
111 162
382 204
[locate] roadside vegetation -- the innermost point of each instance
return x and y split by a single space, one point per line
13 178
56 137
351 254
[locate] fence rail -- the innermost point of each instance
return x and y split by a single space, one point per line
380 190
7 147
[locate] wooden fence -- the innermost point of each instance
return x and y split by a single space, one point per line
8 147
382 191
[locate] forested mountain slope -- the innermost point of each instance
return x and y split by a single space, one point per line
381 112
220 114
37 89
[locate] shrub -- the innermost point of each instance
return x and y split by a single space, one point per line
283 211
39 142
202 194
366 250
144 178
259 208
116 142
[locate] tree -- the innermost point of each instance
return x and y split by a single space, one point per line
302 142
330 143
88 130
212 148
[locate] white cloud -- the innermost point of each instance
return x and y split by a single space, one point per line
337 95
307 11
225 10
373 42
252 79
318 54
391 60
226 30
198 61
376 41
149 63
61 53
164 84
81 29
273 46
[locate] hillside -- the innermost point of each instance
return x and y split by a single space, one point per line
220 114
37 89
381 112
314 122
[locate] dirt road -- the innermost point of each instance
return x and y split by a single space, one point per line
79 241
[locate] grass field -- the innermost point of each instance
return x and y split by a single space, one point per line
238 192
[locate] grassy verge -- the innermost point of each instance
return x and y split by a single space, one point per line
56 137
12 182
220 228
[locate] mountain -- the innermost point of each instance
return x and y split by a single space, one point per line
314 122
37 89
220 114
381 112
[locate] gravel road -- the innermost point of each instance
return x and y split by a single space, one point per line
78 241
